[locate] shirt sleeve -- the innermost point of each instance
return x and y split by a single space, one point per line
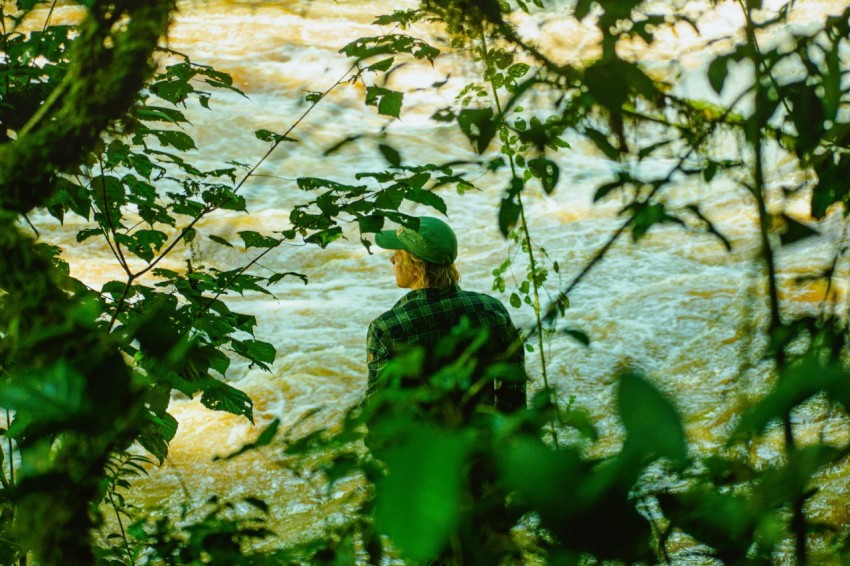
511 394
377 356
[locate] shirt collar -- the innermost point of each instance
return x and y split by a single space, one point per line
430 294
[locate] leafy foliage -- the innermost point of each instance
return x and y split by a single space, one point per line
215 533
130 179
442 465
91 129
722 501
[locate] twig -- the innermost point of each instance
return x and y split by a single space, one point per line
295 124
119 255
210 207
121 527
11 453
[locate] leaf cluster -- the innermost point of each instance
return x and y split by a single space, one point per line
443 464
215 533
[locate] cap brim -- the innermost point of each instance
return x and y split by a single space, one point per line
388 239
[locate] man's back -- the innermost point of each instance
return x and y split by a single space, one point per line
424 316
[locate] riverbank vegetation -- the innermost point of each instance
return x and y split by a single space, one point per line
93 126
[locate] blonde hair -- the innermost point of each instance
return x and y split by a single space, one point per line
427 275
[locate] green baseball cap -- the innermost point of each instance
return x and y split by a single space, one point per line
434 242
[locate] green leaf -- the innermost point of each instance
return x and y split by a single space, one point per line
324 237
264 439
269 136
257 503
799 380
832 186
648 215
152 239
218 360
109 192
115 289
54 255
315 183
56 394
479 126
710 171
607 85
389 199
808 116
340 144
508 215
244 282
382 65
328 203
725 521
581 421
223 197
142 243
259 352
537 473
795 231
444 115
402 17
428 198
418 502
278 276
84 235
160 114
144 166
220 396
605 189
518 70
387 101
256 240
140 193
178 140
234 202
172 91
220 240
27 5
371 224
156 433
418 180
582 9
366 47
601 141
717 72
390 154
71 196
832 89
578 336
547 171
653 425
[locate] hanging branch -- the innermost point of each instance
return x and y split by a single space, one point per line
131 277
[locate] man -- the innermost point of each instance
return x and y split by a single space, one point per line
423 262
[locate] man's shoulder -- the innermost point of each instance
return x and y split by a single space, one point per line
423 304
481 298
384 318
391 316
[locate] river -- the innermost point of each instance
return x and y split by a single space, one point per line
676 305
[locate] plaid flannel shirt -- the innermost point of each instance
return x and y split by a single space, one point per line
423 316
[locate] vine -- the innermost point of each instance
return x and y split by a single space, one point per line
502 72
